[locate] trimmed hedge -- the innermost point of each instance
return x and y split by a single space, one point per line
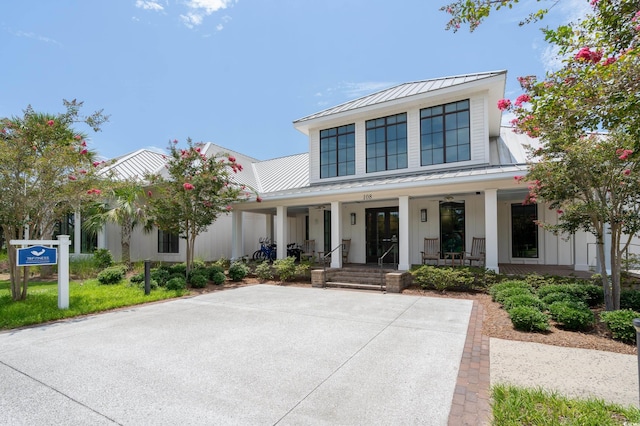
237 271
523 300
630 299
526 318
572 315
112 275
621 324
496 288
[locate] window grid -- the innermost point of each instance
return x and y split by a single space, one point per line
168 242
338 151
387 143
445 133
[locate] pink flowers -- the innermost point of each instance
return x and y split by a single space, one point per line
83 152
96 163
587 55
627 172
187 186
518 178
232 159
624 153
94 191
522 99
504 104
258 199
610 60
72 177
559 211
83 172
77 137
229 208
50 123
149 194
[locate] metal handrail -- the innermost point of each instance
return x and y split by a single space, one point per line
381 259
324 259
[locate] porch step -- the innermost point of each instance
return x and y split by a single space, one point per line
358 276
355 286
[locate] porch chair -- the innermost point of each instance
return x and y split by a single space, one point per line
346 245
477 252
308 250
431 250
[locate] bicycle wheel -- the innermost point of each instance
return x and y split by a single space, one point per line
258 255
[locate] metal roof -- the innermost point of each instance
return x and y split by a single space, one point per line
400 91
282 173
135 165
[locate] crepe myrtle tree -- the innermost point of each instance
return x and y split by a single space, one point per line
46 172
587 118
194 192
473 12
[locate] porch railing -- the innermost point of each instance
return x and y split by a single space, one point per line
326 256
381 262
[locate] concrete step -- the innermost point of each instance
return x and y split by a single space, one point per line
355 286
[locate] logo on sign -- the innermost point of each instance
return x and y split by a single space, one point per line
37 255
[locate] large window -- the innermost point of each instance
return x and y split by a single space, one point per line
524 231
387 143
338 151
168 242
444 133
451 227
88 239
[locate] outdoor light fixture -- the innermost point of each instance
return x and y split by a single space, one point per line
353 218
423 215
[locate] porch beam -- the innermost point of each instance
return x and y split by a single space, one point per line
491 228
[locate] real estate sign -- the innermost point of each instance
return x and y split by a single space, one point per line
37 255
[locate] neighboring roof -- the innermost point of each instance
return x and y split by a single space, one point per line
401 91
282 173
135 165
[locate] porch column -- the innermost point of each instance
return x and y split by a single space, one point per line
77 232
491 228
404 229
237 238
281 231
102 237
269 226
336 234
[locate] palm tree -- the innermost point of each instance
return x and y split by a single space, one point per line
123 206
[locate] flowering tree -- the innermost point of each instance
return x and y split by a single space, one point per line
46 171
197 190
473 12
592 178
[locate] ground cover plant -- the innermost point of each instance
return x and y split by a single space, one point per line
521 406
88 297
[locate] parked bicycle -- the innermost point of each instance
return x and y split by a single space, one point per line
267 251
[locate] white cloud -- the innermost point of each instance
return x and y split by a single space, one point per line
149 5
35 36
199 9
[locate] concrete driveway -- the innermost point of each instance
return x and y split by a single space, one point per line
258 355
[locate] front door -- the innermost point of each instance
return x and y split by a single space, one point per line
382 232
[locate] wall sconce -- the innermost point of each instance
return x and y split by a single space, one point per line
423 215
353 218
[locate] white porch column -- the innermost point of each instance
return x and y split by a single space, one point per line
336 234
281 231
237 237
77 233
404 263
102 237
269 226
491 228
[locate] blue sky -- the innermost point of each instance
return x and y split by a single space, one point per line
238 72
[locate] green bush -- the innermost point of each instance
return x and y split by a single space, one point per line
198 264
137 278
237 271
198 280
589 293
263 271
621 324
285 268
630 299
213 270
526 318
496 288
443 279
222 263
102 258
218 278
502 295
302 270
560 297
160 275
523 300
112 275
572 315
153 285
178 268
176 283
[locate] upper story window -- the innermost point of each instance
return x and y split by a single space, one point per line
445 133
338 151
168 242
387 143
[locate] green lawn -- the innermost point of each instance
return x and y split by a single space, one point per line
519 406
87 297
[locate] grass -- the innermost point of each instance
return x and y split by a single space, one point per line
520 406
88 297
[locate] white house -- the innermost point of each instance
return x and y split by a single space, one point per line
426 159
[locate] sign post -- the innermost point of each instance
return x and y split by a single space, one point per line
37 254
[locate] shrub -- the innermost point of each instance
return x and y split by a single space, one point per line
526 318
198 280
502 295
589 293
218 278
523 300
160 275
213 270
285 268
572 315
621 324
153 284
102 258
443 278
263 271
137 278
112 275
595 294
176 283
630 299
302 270
560 297
198 264
237 271
178 268
496 288
222 263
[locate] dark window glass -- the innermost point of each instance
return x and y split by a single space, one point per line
524 231
168 242
337 151
452 227
387 143
444 133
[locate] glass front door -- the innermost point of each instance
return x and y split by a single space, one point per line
451 227
382 232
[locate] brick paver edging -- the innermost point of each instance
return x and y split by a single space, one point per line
470 405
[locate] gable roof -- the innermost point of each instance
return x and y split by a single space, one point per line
135 165
402 91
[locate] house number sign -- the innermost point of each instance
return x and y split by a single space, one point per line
367 197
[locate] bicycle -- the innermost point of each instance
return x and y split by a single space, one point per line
267 251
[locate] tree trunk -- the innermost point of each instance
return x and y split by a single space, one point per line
125 242
606 283
18 283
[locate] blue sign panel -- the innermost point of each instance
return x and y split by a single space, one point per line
37 255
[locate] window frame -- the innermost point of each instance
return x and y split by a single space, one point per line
386 124
447 115
339 161
168 242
